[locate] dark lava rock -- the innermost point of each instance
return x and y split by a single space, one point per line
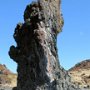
36 50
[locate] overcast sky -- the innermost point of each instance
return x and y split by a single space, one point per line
73 43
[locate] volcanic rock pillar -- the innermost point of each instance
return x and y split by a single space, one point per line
36 50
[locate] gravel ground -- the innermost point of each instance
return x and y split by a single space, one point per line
9 88
5 88
85 89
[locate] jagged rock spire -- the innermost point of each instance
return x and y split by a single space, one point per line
36 50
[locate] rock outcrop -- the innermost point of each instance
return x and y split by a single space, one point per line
80 74
36 50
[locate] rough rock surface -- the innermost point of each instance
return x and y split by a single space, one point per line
80 74
36 50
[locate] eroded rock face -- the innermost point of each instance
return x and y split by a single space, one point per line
36 50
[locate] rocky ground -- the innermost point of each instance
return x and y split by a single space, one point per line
80 74
5 88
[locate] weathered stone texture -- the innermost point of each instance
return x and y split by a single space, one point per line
36 50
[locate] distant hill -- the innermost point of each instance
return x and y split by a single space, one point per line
80 73
7 78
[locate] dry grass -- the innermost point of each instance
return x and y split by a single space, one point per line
81 77
9 80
